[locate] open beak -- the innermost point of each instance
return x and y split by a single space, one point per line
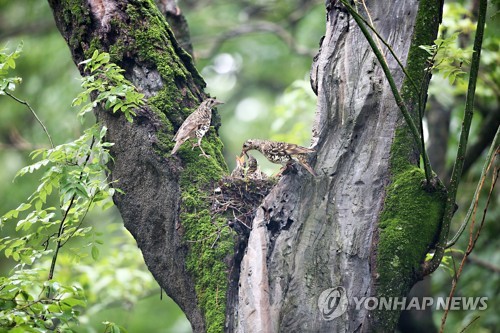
244 152
240 160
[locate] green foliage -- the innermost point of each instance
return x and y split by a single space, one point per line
447 58
447 263
260 57
73 183
105 79
113 328
8 61
30 306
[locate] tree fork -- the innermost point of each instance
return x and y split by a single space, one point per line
309 234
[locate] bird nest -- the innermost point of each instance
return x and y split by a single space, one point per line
237 199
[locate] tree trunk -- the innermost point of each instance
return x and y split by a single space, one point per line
362 227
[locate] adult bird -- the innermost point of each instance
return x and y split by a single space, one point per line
196 125
280 152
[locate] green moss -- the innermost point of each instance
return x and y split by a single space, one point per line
408 227
209 240
425 32
210 244
146 40
410 220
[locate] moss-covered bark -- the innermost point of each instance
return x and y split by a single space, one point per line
412 213
140 41
408 227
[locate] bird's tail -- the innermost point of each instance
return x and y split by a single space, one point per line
303 161
176 147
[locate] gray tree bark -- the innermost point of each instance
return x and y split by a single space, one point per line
309 234
328 225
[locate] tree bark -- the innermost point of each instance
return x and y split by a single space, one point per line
324 232
345 228
139 40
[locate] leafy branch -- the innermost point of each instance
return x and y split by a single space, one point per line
446 58
433 264
107 81
74 173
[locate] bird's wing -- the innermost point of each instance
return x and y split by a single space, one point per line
188 127
293 149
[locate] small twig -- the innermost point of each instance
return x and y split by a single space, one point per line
485 210
216 239
470 247
492 154
471 322
80 223
34 114
373 25
59 234
59 243
217 232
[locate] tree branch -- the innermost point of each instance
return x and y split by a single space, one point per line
433 264
263 26
34 114
492 154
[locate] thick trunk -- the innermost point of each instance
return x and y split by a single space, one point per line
139 40
309 234
331 221
321 233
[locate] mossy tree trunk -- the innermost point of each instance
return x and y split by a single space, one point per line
138 39
364 223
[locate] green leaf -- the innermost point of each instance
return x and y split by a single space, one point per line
95 252
15 212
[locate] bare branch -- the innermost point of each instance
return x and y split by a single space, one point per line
259 27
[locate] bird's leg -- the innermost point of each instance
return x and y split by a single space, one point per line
202 151
194 145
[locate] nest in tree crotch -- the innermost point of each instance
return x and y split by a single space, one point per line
237 198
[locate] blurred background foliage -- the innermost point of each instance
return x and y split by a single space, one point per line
255 55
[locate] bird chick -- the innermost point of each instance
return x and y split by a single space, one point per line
254 171
196 125
280 152
239 169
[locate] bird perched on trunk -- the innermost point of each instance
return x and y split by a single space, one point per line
280 152
196 125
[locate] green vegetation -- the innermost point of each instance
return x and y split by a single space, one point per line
74 176
408 225
263 79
